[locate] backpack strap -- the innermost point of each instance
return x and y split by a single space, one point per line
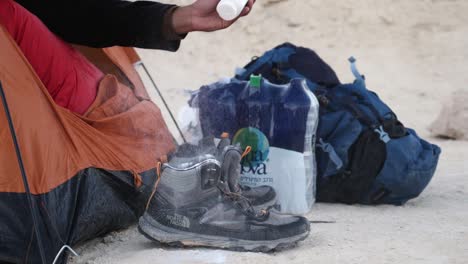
330 150
348 103
357 112
359 77
367 102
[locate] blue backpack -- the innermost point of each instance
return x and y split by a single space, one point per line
364 154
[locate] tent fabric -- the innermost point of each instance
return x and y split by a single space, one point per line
126 58
120 62
89 174
123 133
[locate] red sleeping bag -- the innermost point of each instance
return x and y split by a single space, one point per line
69 77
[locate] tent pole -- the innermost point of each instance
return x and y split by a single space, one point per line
162 99
31 201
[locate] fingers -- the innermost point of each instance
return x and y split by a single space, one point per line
250 3
248 8
245 11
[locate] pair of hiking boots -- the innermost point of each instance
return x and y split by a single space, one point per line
199 202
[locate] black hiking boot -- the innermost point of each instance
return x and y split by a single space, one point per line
193 207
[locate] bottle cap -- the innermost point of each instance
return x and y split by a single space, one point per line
255 80
227 10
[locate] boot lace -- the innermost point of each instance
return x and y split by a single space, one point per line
245 205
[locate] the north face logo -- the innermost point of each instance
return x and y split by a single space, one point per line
178 220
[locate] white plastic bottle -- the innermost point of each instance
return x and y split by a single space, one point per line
230 9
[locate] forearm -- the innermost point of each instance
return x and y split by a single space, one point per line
143 24
104 23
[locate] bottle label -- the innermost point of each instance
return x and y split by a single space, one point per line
282 169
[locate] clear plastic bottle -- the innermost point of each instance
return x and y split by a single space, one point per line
230 9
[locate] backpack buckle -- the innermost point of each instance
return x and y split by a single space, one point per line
383 134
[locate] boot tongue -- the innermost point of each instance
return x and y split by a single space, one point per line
231 157
230 169
235 172
225 141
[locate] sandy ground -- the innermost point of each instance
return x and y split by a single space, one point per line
414 55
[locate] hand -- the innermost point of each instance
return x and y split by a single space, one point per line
202 16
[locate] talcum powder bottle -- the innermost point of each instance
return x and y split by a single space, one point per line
230 9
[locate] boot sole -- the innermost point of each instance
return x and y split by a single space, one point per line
176 238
